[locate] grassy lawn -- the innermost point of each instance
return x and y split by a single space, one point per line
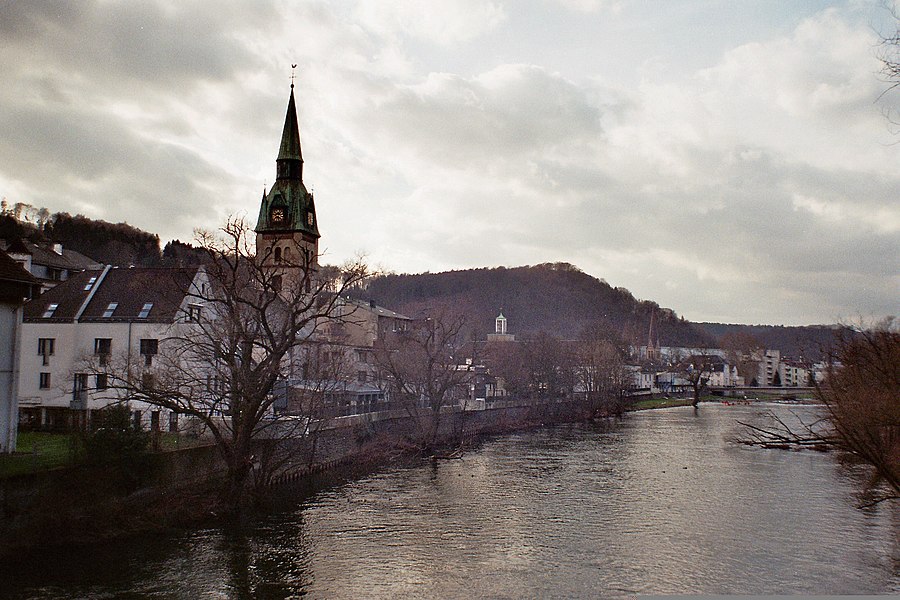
38 451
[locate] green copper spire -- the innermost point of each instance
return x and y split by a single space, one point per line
290 157
288 206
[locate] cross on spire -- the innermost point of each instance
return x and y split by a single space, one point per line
293 75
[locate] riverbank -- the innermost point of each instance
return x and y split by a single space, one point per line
81 506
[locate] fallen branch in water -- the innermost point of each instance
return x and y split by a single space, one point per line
780 435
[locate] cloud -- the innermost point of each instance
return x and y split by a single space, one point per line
446 23
759 187
591 6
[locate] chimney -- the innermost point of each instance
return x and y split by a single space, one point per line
372 304
57 248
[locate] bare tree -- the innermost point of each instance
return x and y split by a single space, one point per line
219 364
739 350
861 393
889 55
696 370
425 370
600 369
861 396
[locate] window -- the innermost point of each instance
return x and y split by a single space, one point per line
44 382
102 381
45 349
81 381
90 283
50 310
145 310
149 349
277 255
194 312
361 376
276 283
103 348
147 381
110 309
287 254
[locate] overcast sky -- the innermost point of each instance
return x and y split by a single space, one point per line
728 159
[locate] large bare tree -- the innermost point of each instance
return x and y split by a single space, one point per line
425 370
600 369
244 332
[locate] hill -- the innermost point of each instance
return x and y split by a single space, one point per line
808 343
556 298
118 244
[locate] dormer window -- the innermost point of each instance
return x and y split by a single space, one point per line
90 284
145 310
110 309
50 310
193 312
309 218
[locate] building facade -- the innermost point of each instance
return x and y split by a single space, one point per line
97 325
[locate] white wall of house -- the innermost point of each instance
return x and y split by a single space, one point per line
73 349
59 365
10 317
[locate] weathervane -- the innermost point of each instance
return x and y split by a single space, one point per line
292 75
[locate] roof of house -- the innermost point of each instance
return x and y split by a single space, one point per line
130 289
47 256
69 259
16 284
378 310
12 270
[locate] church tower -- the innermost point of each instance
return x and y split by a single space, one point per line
287 233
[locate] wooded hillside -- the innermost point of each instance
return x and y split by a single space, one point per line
118 244
808 343
556 298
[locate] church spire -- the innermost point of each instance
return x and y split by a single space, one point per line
290 158
288 207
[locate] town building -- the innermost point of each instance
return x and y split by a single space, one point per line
51 264
114 318
794 373
769 366
16 286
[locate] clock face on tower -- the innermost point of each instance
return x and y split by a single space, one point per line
277 216
309 218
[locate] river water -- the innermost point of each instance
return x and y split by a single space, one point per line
661 502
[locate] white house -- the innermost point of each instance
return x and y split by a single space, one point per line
103 317
16 285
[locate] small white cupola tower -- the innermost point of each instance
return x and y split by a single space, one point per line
501 333
500 324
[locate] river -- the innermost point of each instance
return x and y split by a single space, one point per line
660 502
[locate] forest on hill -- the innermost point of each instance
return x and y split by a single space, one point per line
807 343
555 298
118 244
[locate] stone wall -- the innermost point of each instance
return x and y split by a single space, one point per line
75 503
